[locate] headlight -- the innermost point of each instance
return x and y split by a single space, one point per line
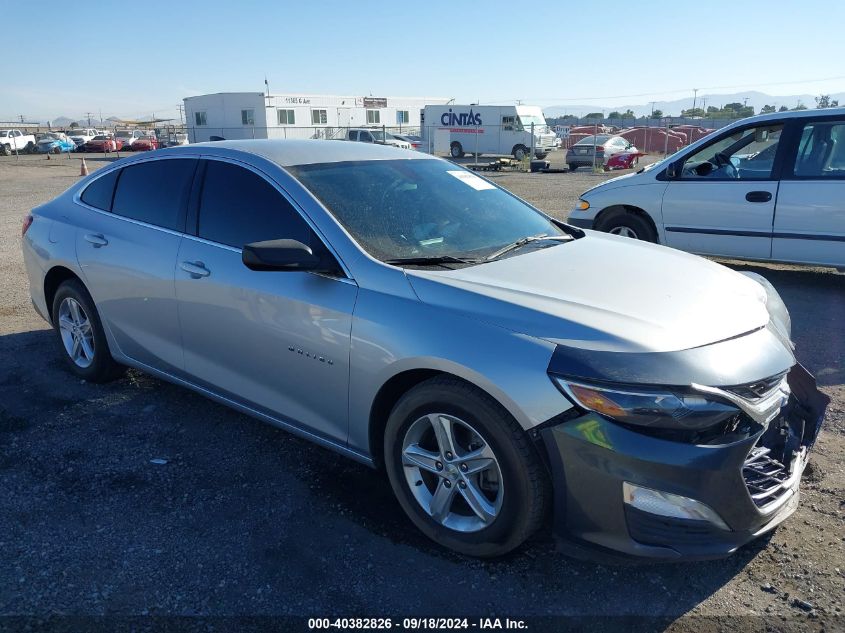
658 408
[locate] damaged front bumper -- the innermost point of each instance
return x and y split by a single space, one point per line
615 487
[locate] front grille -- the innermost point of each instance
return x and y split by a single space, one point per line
764 476
757 389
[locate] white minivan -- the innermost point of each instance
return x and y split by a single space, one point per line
768 188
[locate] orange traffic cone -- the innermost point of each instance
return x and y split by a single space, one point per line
83 170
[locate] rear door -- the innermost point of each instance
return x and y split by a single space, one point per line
722 199
126 246
810 216
275 341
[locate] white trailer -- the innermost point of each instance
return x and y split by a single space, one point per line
474 129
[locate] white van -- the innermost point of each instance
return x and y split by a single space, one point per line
768 188
474 129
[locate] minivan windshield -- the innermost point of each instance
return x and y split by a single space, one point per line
422 208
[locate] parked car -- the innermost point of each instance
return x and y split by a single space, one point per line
81 136
409 314
145 143
54 143
769 188
606 145
365 135
175 139
415 141
103 143
128 137
12 141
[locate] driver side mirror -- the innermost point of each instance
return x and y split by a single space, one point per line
280 255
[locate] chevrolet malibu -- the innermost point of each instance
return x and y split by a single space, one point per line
498 364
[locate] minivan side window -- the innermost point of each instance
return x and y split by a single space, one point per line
821 151
99 193
238 207
748 154
155 192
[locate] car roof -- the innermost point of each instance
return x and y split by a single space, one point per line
793 114
287 153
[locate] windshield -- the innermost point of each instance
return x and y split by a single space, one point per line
52 136
601 138
421 208
528 119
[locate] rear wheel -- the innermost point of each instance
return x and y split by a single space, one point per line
463 470
7 150
572 167
80 334
519 152
627 224
456 150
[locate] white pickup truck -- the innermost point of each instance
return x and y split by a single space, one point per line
11 140
82 135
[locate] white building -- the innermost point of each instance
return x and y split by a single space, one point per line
236 115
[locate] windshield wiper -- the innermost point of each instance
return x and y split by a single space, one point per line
434 260
526 240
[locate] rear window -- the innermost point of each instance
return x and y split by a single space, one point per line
99 193
155 192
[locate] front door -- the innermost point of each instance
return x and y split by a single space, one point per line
810 215
274 341
722 199
127 253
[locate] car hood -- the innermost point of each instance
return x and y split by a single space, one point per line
603 292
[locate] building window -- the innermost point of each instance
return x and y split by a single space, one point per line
373 117
248 117
402 116
286 117
201 118
318 117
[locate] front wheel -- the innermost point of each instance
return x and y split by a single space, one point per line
519 152
463 470
627 224
572 167
81 336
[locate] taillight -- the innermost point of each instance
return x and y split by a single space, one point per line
599 148
27 222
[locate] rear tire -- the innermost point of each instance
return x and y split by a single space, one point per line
510 490
80 334
572 167
627 224
519 152
456 150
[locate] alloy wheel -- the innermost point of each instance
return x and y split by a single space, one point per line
624 231
77 333
452 472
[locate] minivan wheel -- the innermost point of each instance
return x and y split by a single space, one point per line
456 150
519 152
572 167
80 334
627 224
463 470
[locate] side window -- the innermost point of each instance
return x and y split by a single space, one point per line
366 137
155 192
99 193
353 135
239 207
748 154
821 151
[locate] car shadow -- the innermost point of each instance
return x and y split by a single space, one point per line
193 499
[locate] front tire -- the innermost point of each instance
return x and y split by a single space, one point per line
80 334
519 152
627 224
572 167
463 470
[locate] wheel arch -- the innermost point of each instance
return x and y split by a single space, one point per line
626 208
54 278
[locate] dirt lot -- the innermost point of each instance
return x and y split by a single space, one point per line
244 519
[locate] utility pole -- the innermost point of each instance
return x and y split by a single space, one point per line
652 109
89 114
694 96
21 116
181 113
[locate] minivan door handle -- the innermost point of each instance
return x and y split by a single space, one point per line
758 196
97 239
195 269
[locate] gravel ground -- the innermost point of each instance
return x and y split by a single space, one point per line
238 518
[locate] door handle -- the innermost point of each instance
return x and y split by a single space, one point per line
758 196
96 239
195 269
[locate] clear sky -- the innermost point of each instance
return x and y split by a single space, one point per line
134 59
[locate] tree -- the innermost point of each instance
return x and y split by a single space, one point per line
657 114
767 109
74 125
629 114
614 115
594 115
693 112
783 109
824 101
569 117
799 106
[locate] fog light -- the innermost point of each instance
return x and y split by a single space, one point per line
669 505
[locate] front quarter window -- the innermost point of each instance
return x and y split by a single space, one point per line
399 209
